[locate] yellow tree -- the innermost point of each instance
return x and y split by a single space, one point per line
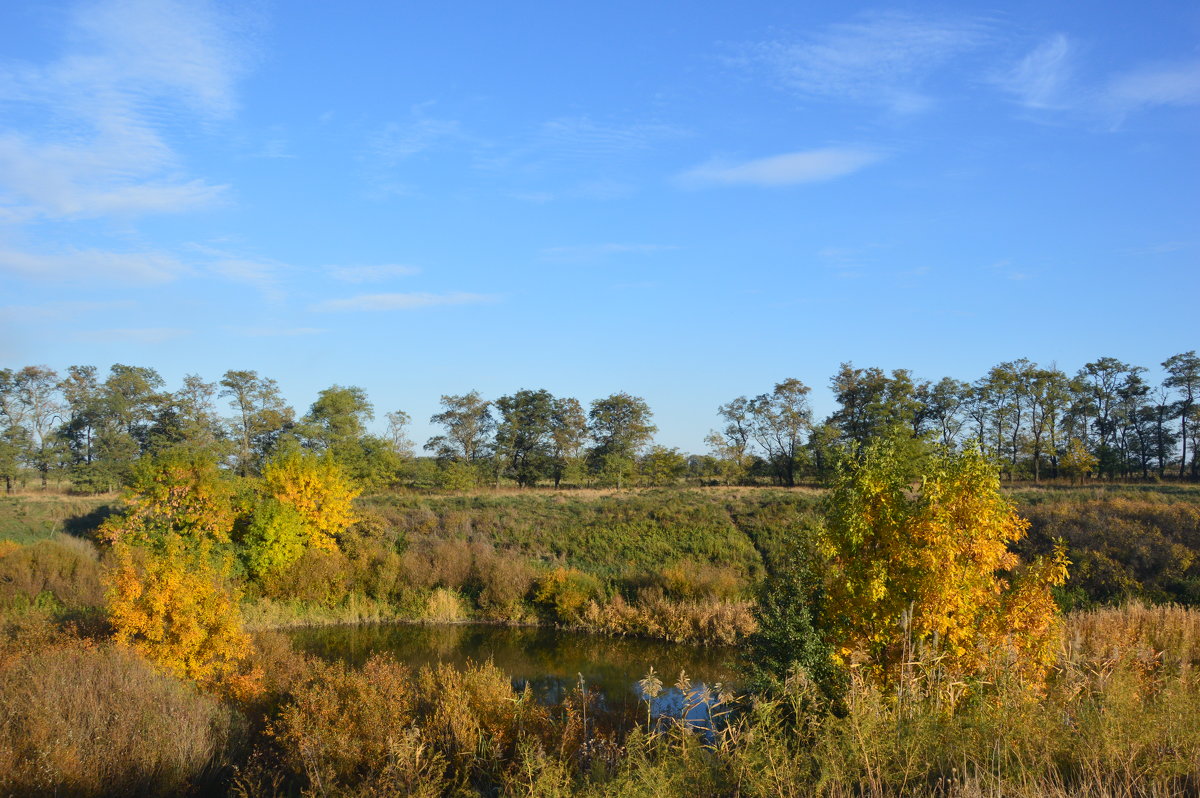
924 569
176 609
307 503
1077 460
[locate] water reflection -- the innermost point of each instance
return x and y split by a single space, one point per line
551 662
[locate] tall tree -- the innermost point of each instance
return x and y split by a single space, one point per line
1101 382
32 401
468 422
731 446
262 417
397 433
524 434
620 425
943 405
568 434
1048 396
188 417
81 390
1183 375
337 421
778 423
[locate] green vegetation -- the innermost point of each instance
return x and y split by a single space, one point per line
903 626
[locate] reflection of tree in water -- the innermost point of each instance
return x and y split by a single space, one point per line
550 661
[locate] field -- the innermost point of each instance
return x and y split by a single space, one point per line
80 715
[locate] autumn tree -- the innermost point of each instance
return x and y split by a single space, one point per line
926 570
306 502
178 610
179 493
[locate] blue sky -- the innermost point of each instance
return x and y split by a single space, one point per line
684 201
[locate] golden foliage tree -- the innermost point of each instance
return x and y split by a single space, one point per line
318 489
178 492
176 609
306 503
929 570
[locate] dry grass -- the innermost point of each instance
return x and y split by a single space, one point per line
1166 635
82 719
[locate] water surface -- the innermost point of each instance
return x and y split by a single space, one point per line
550 661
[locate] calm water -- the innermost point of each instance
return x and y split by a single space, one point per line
548 660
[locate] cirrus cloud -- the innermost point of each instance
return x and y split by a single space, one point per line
792 168
408 301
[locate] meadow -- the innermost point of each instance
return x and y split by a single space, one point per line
81 715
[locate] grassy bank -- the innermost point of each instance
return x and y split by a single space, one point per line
1120 717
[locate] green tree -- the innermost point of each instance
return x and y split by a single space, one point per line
568 434
189 418
30 400
1099 385
731 446
524 435
337 421
468 422
778 422
261 417
789 638
1183 375
620 428
663 466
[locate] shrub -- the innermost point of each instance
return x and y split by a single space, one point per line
175 609
444 606
565 592
503 580
317 577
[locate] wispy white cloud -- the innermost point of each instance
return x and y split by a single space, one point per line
1043 78
87 265
582 137
93 135
141 335
1162 84
62 309
584 252
371 274
808 166
577 139
398 141
878 58
264 274
1049 78
275 332
410 301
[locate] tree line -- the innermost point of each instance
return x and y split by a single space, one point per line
1035 421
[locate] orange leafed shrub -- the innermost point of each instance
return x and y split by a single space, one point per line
173 608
